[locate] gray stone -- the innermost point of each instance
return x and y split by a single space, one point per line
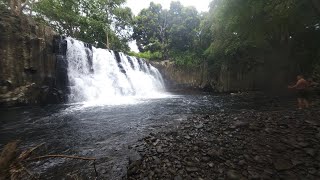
199 126
239 124
159 149
210 165
205 159
233 175
156 160
242 162
172 171
303 144
192 169
158 171
282 164
310 151
258 159
214 153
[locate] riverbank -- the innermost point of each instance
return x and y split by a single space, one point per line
272 142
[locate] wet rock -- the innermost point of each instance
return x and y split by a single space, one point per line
233 175
258 159
211 165
276 148
239 124
242 162
134 157
253 174
172 171
151 174
156 160
205 159
192 169
282 164
159 149
133 168
310 151
199 126
296 162
303 144
158 171
214 153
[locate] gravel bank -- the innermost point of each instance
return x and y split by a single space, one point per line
243 144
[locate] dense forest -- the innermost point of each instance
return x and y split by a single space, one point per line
246 31
235 31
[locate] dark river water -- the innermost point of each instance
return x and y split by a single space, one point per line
103 131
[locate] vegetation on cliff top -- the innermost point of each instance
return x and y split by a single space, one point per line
103 23
245 31
242 31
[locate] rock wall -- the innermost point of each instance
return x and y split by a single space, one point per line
229 78
27 62
180 78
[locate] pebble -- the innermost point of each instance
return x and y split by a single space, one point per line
233 175
159 149
191 169
282 164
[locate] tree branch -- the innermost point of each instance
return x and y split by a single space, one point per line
62 156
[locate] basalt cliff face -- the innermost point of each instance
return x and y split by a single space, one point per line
229 78
28 62
180 78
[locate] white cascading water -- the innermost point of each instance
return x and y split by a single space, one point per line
106 80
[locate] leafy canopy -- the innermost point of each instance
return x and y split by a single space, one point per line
100 22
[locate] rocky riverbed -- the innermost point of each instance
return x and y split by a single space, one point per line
277 143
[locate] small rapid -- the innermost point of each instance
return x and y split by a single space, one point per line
101 76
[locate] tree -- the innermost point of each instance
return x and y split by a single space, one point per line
99 22
273 33
172 32
150 29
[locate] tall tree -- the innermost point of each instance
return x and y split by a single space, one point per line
150 29
274 33
171 32
93 21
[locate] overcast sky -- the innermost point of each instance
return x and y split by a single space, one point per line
137 5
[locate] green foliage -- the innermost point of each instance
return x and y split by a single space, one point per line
98 22
150 29
171 33
250 31
147 55
3 4
187 58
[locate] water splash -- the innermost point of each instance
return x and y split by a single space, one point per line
100 76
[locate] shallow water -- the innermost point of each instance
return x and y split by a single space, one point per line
101 131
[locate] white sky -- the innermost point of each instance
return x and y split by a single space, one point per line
137 5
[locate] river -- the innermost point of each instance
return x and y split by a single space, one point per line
117 100
101 131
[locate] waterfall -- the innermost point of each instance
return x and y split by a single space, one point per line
103 75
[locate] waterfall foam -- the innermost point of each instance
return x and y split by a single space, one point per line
105 76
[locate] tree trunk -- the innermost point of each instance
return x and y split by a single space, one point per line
107 40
